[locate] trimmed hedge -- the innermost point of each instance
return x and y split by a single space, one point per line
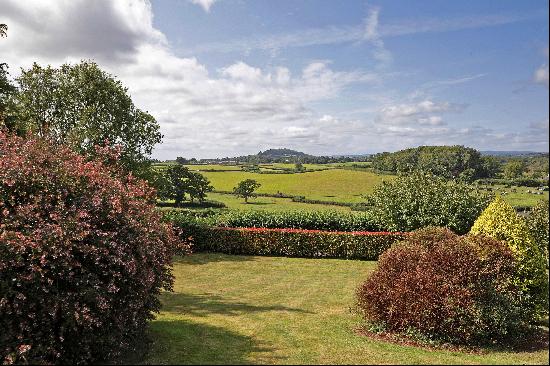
323 220
297 243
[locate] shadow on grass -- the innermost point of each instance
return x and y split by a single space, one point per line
205 258
186 342
204 305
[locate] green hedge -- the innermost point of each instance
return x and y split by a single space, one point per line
212 232
325 220
296 243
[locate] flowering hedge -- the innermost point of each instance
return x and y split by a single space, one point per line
83 255
297 242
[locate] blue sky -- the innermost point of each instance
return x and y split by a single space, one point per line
231 77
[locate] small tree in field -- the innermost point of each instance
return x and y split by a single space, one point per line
246 188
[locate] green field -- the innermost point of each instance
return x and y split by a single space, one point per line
338 182
329 185
243 310
270 204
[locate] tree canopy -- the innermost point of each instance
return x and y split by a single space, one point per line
83 106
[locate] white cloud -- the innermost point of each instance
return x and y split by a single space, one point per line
236 109
205 4
349 34
380 53
425 112
541 74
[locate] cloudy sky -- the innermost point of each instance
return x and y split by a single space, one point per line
232 77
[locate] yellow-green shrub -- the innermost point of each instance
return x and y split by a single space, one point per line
500 221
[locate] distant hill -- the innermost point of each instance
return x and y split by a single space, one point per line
281 153
512 153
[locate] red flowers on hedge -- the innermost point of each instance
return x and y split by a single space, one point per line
83 255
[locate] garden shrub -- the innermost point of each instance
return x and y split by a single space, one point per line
83 255
297 242
445 287
500 221
537 222
419 200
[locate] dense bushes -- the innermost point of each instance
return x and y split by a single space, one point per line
445 287
297 243
537 222
445 161
83 256
501 222
420 200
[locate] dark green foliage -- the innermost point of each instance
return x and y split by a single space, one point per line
419 200
315 220
446 287
83 106
178 181
537 222
445 161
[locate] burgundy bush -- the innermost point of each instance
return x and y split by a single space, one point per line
453 288
83 255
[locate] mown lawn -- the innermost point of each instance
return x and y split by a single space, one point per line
242 310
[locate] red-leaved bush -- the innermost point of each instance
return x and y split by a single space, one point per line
83 255
295 242
453 288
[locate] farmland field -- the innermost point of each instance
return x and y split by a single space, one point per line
338 182
332 185
243 310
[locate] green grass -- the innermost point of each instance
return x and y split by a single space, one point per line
332 185
270 204
238 310
520 197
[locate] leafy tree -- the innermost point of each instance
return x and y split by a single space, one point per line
514 169
7 90
198 186
178 180
83 106
419 200
299 167
246 188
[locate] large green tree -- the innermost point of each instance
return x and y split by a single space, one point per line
7 90
83 106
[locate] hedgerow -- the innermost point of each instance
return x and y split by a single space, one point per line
500 221
445 287
312 220
297 242
83 255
